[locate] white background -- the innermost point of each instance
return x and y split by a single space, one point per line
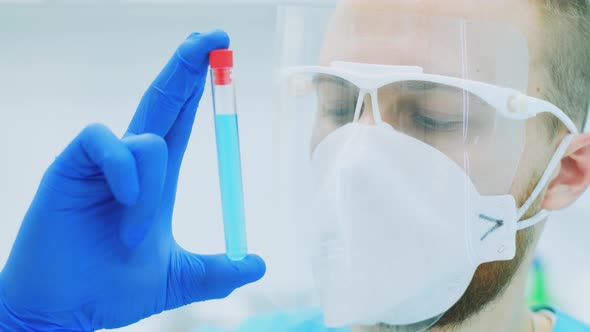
64 65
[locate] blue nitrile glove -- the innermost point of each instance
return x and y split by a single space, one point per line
95 249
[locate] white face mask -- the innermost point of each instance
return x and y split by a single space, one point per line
401 228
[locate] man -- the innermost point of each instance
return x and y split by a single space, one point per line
423 33
96 251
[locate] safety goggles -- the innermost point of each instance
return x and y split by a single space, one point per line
481 126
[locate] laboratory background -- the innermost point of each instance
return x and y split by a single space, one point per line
65 64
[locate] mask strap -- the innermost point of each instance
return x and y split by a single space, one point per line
540 216
553 164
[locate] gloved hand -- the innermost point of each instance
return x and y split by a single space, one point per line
95 249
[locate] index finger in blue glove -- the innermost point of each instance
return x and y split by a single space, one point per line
183 77
151 158
96 148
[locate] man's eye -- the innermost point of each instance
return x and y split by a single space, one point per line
339 112
423 121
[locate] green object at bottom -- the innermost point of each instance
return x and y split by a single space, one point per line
538 293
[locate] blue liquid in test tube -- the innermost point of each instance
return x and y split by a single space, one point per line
228 153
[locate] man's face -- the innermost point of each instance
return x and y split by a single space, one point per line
369 31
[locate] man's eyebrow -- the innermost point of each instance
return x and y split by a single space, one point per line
423 85
409 86
323 78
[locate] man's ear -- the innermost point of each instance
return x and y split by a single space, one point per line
572 177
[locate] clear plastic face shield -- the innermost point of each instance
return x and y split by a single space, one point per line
398 141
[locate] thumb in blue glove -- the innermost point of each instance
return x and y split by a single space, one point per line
95 249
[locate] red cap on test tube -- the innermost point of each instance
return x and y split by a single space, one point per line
221 62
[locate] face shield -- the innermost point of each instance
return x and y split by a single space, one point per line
396 143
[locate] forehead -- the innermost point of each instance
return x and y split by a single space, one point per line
481 40
506 11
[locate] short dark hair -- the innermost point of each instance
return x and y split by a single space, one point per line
565 53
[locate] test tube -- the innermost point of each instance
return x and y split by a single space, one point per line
228 153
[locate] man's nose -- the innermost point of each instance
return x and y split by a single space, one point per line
366 116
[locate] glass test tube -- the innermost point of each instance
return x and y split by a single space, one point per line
228 153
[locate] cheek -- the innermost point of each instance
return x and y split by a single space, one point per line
321 129
535 158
